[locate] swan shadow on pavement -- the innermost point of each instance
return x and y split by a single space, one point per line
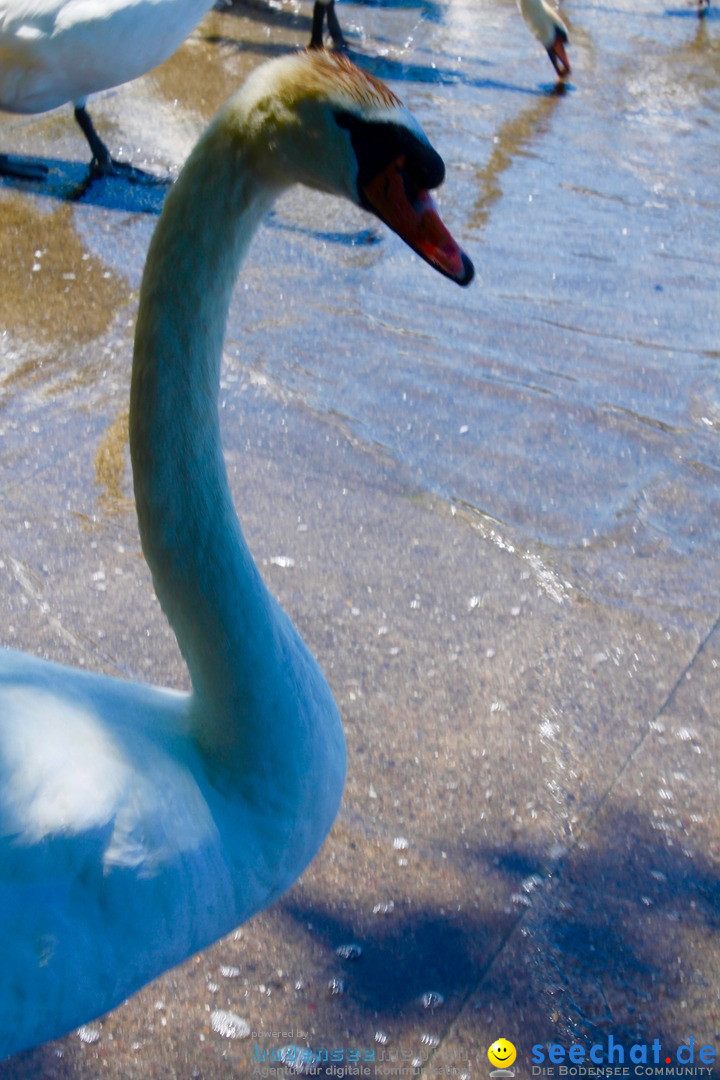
70 181
603 941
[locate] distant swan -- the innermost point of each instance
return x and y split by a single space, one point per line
57 51
549 29
138 825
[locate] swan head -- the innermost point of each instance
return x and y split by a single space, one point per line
315 118
549 29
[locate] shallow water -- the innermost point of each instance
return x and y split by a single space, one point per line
570 399
567 405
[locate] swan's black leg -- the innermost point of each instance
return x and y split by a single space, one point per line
22 170
316 37
334 27
319 12
103 164
101 159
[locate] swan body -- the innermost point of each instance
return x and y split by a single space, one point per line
546 25
138 825
57 51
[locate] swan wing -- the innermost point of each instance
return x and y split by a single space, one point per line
55 51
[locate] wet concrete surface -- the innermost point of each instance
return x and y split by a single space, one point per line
521 630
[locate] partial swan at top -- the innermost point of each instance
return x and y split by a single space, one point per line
57 51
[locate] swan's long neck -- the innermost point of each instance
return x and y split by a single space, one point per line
540 18
226 622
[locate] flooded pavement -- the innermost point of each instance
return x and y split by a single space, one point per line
492 513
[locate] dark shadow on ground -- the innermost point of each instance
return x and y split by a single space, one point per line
398 70
594 940
67 181
261 11
583 949
711 14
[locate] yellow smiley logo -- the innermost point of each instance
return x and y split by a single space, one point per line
502 1053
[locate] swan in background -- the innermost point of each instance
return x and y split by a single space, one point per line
138 825
57 51
547 26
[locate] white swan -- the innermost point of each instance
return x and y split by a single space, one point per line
549 29
137 825
57 51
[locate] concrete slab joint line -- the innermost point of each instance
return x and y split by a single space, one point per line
427 1069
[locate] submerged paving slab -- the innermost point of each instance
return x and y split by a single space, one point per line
489 704
486 721
620 944
527 843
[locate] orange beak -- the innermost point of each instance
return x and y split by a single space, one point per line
558 57
413 215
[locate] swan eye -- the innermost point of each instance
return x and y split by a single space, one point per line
376 143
